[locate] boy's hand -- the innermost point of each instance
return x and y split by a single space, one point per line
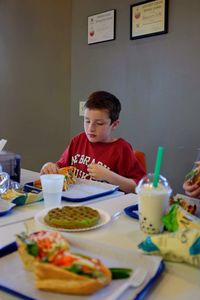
49 168
192 190
98 172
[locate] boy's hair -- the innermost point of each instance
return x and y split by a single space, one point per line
105 100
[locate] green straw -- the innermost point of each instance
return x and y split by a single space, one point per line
157 166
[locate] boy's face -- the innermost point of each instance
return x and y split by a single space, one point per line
97 125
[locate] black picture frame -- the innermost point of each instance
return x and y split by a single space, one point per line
148 18
102 27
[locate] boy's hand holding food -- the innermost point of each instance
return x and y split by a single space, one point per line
49 168
68 172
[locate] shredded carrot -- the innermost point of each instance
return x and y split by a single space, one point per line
44 243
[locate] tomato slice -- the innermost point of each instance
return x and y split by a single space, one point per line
63 260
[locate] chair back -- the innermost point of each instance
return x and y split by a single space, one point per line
141 157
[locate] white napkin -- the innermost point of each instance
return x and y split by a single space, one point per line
2 144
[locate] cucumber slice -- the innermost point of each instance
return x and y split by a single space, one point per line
120 273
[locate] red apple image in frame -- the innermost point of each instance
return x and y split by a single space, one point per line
137 14
91 33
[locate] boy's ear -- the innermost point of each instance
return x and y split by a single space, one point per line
115 124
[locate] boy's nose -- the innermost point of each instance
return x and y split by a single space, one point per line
91 127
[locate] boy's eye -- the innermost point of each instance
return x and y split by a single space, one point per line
95 124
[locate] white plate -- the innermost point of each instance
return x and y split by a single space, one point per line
189 201
104 219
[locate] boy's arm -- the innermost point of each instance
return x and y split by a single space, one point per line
98 172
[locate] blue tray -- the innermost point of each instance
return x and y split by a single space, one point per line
83 190
10 248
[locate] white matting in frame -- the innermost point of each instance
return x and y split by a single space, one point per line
149 18
101 27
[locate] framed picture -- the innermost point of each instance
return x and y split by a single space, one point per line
149 18
101 27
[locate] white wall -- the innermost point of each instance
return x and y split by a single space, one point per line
156 79
35 39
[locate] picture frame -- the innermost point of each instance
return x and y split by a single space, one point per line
148 18
101 27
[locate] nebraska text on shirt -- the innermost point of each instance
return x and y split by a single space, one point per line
81 174
85 160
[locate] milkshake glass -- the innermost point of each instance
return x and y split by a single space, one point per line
153 203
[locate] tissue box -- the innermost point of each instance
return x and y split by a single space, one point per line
10 163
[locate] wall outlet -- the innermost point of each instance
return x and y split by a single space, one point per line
81 108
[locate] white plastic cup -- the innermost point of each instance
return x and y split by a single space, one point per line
153 203
52 186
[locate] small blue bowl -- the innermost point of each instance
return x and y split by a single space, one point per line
132 211
5 207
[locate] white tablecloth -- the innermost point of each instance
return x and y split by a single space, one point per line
178 282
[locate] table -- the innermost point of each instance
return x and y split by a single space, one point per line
178 282
22 213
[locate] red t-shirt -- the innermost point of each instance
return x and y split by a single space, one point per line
118 156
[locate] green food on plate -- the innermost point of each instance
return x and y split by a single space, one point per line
120 273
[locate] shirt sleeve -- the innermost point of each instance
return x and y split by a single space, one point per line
139 171
129 166
64 159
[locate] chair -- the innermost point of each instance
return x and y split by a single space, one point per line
141 157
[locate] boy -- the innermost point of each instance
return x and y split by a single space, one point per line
94 153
